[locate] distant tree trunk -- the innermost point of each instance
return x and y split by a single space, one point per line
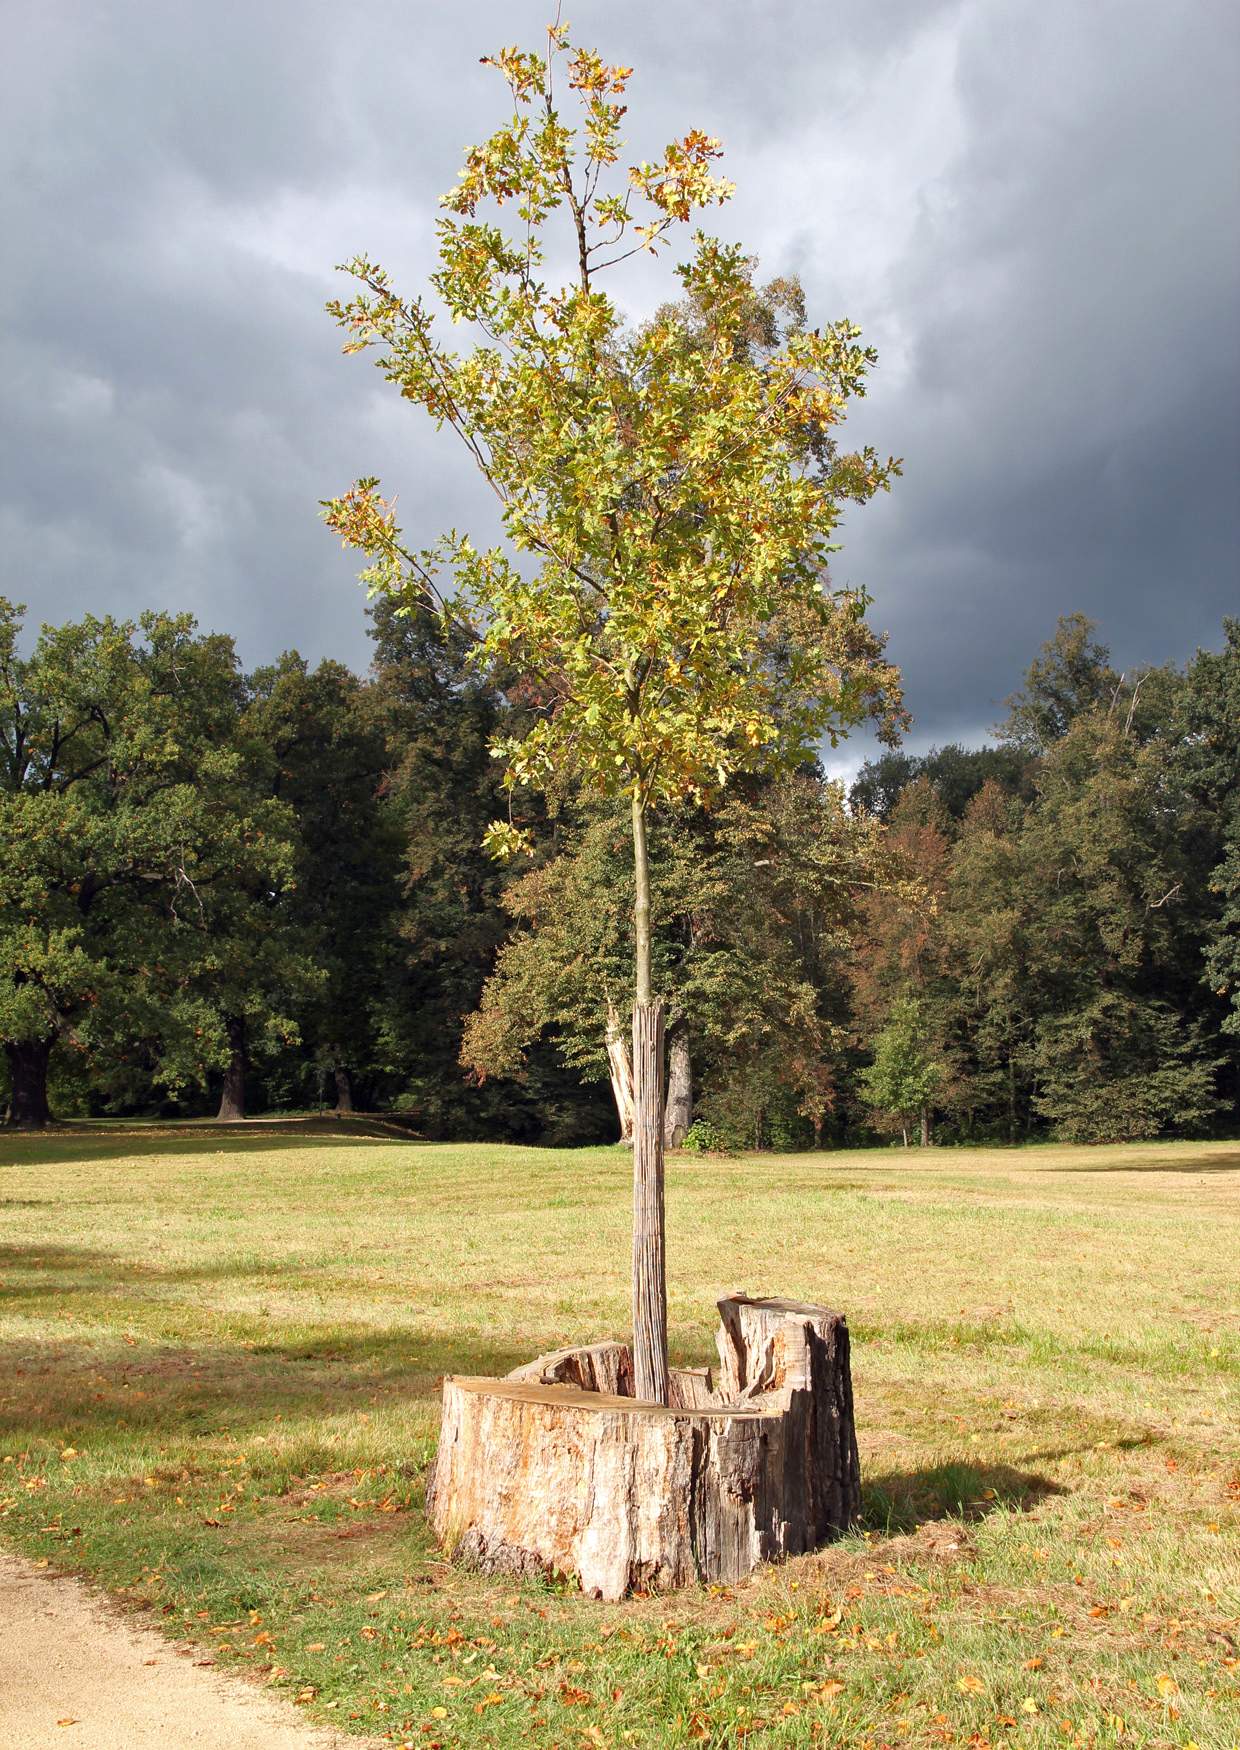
232 1094
28 1060
650 1367
925 1127
620 1066
904 1134
344 1089
679 1113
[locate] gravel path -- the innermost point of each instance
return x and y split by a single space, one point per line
74 1672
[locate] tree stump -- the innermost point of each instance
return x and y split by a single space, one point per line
558 1469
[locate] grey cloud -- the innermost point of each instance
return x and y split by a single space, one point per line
1030 207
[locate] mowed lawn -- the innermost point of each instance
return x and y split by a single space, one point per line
220 1353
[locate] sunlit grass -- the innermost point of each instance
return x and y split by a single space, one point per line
218 1397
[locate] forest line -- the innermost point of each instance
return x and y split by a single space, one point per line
264 891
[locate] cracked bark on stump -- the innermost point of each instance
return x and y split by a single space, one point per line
539 1473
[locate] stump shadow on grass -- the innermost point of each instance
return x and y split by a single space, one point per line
895 1503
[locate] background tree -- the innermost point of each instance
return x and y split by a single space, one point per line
1061 961
126 810
955 774
322 751
672 502
1206 740
753 907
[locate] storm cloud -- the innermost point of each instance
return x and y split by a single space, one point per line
1030 208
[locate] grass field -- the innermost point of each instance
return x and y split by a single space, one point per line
218 1399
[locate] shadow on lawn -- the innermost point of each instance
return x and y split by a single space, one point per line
117 1387
897 1502
61 1272
86 1394
123 1142
1228 1163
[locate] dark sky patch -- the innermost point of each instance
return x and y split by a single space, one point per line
1029 205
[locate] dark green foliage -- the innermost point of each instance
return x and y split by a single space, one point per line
754 905
1207 764
954 773
129 828
1118 1069
1073 952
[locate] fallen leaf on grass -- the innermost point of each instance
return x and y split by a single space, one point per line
970 1685
1166 1684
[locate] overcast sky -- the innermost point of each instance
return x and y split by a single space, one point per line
1030 206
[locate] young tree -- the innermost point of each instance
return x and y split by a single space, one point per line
902 1080
667 499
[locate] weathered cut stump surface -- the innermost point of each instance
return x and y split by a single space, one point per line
559 1469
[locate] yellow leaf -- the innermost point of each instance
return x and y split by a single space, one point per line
969 1685
439 1713
1029 1705
1167 1684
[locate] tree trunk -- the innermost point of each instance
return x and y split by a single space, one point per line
344 1089
925 1127
232 1094
28 1061
620 1066
649 1268
679 1114
559 1470
904 1134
